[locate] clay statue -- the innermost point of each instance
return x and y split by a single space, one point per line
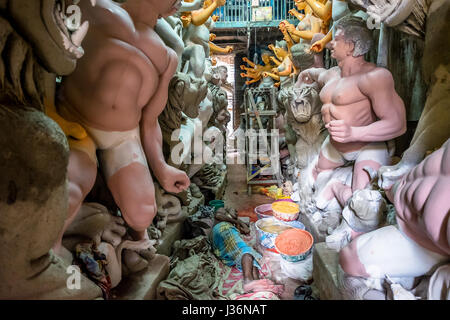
409 16
255 72
282 73
370 112
339 9
35 153
432 129
170 28
420 242
117 92
303 106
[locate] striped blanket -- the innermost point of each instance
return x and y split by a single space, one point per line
229 246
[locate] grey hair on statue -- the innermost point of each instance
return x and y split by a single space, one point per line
356 31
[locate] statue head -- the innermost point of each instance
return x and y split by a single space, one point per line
304 102
53 28
352 37
186 93
265 57
301 56
280 49
220 74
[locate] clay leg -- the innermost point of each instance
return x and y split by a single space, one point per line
170 38
374 156
133 190
387 251
82 172
329 158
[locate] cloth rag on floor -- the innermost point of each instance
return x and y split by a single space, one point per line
230 247
93 263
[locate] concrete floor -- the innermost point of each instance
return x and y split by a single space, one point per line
237 198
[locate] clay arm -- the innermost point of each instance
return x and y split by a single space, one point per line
171 179
323 11
276 61
253 81
319 75
272 75
190 6
304 34
318 46
296 14
378 85
250 63
199 17
216 49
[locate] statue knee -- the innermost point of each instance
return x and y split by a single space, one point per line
140 217
350 263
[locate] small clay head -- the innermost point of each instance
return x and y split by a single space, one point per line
302 57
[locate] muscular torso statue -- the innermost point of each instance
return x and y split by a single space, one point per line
361 110
117 93
116 48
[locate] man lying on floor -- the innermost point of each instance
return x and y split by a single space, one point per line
229 246
233 251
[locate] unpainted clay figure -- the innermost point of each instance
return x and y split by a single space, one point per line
255 71
421 240
117 93
282 73
36 46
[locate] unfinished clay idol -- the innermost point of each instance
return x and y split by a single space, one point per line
361 111
34 157
117 92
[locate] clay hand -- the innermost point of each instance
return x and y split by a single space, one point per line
317 46
265 74
389 175
305 77
174 180
220 3
340 131
275 70
212 37
293 12
229 49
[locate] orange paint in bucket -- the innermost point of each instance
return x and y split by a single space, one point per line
294 241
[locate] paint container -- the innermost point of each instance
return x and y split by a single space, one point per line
269 228
294 245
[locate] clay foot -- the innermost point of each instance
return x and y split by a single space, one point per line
138 254
357 288
340 237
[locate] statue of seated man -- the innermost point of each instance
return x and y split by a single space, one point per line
421 240
361 110
117 93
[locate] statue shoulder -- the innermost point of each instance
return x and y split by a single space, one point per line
376 77
109 18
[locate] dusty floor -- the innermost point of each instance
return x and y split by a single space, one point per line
236 197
